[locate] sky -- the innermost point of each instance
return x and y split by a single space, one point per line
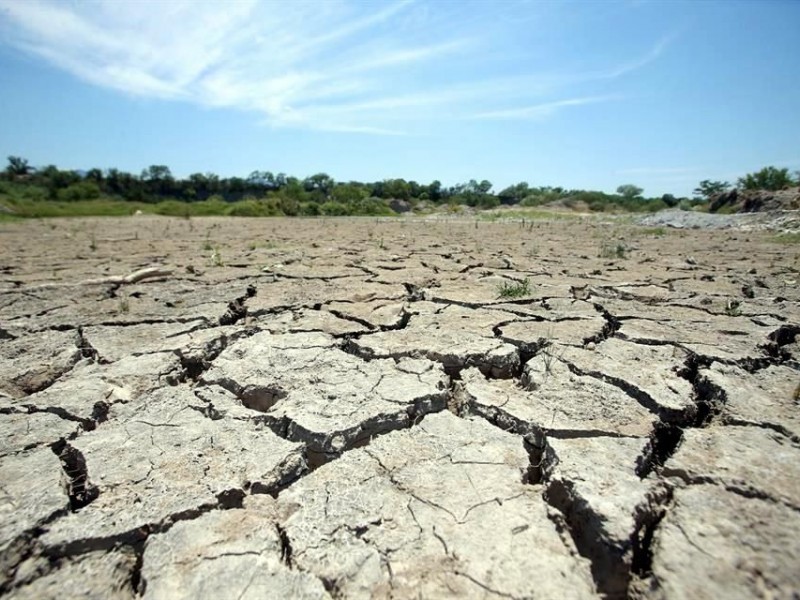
586 95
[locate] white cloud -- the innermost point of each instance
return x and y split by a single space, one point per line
337 65
540 111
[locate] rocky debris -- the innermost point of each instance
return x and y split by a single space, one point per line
780 219
750 201
399 206
445 407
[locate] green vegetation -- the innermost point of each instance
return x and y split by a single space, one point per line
531 214
788 238
611 249
768 178
517 289
707 188
48 191
657 231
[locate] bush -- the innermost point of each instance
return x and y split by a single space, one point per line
250 207
85 190
309 209
334 209
768 178
172 208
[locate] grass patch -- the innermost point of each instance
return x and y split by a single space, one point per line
657 231
531 214
609 249
518 289
787 238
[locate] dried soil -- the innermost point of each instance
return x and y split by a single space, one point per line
341 408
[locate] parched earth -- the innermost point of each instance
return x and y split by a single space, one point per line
350 408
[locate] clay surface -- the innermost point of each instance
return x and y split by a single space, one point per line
397 408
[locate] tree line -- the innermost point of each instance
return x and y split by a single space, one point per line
268 193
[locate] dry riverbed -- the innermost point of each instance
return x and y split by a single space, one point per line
357 408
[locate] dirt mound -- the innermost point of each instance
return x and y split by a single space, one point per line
756 200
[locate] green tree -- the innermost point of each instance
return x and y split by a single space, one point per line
320 183
629 191
396 188
349 193
707 188
768 178
84 190
95 175
435 190
669 200
17 167
158 180
514 194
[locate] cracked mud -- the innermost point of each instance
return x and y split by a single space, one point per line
353 409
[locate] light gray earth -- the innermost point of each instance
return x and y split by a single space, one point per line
354 408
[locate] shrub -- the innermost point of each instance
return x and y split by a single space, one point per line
85 190
514 290
334 209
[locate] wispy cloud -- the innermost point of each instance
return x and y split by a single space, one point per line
337 65
540 111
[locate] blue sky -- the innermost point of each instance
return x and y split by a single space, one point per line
578 94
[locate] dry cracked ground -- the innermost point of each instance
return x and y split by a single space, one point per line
215 408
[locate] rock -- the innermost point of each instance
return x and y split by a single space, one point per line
399 206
